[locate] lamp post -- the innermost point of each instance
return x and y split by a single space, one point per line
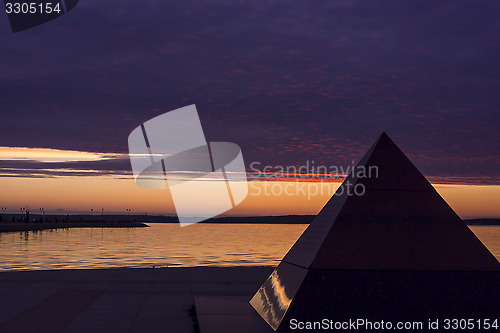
27 212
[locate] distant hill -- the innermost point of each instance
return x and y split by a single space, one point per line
482 221
282 219
306 219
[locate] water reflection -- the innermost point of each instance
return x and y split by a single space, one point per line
160 245
163 245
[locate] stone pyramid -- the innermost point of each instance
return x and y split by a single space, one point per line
386 246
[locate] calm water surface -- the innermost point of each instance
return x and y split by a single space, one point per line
163 245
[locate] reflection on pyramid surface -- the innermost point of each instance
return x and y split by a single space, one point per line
395 252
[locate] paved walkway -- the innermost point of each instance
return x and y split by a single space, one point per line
117 300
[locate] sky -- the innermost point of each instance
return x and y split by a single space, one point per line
288 81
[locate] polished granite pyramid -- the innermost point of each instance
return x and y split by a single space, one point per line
394 251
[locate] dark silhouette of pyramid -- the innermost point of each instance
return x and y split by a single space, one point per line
385 246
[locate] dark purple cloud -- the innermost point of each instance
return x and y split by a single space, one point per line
288 81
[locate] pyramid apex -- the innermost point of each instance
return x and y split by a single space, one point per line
384 136
393 170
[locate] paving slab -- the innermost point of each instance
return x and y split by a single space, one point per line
228 315
118 300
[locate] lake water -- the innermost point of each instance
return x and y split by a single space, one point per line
163 245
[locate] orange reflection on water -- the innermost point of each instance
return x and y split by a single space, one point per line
159 245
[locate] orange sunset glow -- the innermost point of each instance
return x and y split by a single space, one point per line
115 193
80 194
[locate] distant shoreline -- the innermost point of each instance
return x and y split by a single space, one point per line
18 222
482 221
20 226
